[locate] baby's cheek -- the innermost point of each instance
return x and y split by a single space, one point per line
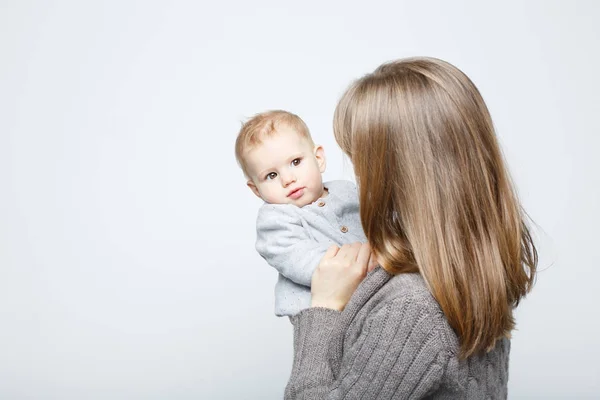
270 196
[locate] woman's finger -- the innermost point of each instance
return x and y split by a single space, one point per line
346 252
331 252
356 248
364 253
372 262
351 252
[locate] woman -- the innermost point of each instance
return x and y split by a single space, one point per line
445 225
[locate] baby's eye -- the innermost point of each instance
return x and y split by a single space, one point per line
296 161
271 175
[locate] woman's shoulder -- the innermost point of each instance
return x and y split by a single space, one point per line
402 326
408 287
405 300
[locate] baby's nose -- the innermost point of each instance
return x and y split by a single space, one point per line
287 179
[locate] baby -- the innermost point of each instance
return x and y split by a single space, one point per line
302 216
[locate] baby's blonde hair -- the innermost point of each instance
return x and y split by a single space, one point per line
266 124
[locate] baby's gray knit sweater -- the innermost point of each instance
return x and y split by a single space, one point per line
294 239
392 341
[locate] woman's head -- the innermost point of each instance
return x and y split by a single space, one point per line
435 195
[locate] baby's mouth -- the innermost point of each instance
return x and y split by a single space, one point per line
296 193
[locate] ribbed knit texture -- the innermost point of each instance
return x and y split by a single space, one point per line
392 341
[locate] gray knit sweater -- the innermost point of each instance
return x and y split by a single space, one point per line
392 341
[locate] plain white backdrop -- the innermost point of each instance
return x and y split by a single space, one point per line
127 261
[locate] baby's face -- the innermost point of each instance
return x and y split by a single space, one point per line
286 169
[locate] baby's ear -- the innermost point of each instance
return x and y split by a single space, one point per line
254 189
320 156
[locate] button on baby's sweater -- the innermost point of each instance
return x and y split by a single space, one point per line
321 203
344 229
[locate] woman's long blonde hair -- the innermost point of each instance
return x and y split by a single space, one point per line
435 195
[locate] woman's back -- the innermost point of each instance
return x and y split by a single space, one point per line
440 212
392 341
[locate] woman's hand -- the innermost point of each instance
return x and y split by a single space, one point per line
338 274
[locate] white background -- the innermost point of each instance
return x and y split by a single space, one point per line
127 261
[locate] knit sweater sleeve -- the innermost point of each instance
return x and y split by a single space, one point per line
286 245
399 353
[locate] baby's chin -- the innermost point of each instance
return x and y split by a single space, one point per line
311 199
305 202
